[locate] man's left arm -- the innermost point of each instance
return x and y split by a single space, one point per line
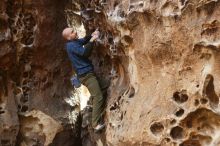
85 40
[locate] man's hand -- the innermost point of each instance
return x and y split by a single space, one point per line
95 35
96 32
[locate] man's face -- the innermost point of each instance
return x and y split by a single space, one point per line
73 34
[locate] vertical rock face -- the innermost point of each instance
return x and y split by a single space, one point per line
38 129
9 124
162 58
34 75
163 61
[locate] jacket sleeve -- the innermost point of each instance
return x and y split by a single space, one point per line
82 51
76 49
85 40
88 49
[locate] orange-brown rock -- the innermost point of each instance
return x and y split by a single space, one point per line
162 58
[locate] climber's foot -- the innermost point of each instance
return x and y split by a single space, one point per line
99 127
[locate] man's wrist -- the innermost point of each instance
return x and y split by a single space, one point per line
92 39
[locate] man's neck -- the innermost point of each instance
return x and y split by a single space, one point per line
72 40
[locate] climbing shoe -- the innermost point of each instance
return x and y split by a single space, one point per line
99 127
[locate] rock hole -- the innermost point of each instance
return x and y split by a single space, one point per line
27 41
176 132
19 107
26 74
25 89
131 7
189 124
141 5
157 128
197 85
125 113
25 81
21 15
209 91
176 95
14 31
122 14
122 116
179 113
113 107
110 40
180 97
2 112
24 99
196 103
119 98
5 142
203 100
17 91
44 80
167 139
182 2
24 108
128 39
115 4
173 121
100 63
132 92
25 94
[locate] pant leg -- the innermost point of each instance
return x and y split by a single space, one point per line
104 84
92 84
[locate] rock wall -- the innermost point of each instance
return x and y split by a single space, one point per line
162 58
34 76
163 61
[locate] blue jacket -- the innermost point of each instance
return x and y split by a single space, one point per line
76 53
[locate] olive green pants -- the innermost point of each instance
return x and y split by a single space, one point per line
98 100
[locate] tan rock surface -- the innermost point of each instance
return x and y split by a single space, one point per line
164 67
38 128
34 75
162 58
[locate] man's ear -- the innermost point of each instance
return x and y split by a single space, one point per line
68 38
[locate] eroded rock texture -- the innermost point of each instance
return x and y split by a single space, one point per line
163 61
34 76
161 56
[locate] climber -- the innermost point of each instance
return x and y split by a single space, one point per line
78 51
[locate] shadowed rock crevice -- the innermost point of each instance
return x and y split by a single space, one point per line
32 71
161 58
157 128
176 132
180 97
209 90
179 113
148 61
202 121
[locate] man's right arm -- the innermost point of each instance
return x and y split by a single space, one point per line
85 40
90 44
88 49
80 50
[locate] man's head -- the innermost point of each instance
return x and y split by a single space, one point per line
69 34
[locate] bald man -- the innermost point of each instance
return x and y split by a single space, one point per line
78 51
